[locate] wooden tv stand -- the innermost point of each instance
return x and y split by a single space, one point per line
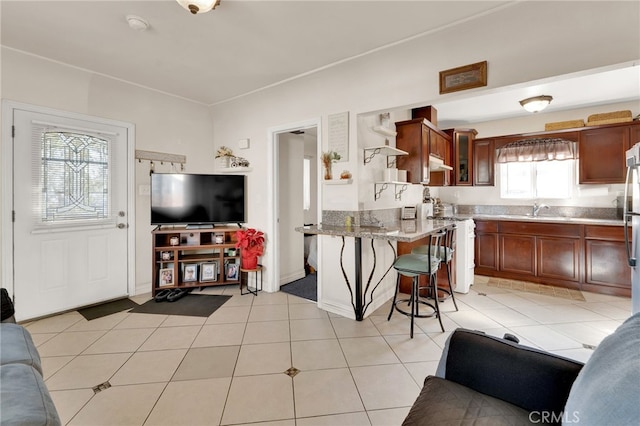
197 257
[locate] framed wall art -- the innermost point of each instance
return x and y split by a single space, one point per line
462 78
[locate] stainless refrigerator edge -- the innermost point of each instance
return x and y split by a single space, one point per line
632 223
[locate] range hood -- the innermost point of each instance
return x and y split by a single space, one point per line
437 165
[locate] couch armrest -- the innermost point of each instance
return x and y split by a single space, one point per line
526 377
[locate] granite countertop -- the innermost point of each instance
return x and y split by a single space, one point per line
406 231
545 219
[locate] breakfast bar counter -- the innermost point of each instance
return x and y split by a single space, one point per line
405 231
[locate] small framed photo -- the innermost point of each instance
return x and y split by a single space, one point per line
166 277
232 271
190 272
463 78
208 271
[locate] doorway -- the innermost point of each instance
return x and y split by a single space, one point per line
296 199
68 192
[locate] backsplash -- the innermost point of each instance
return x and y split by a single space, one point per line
561 211
383 217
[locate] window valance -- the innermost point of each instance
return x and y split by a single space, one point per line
540 149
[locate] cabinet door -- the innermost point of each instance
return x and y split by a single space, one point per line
483 161
518 254
463 156
606 258
486 252
437 145
602 154
559 258
413 137
635 135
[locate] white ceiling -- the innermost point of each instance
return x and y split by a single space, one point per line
244 46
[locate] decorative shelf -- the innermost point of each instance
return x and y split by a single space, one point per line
389 151
234 170
338 181
384 131
399 188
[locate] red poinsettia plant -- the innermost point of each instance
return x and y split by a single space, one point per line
250 241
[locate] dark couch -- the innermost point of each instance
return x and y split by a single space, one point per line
485 380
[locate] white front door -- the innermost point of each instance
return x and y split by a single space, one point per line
70 229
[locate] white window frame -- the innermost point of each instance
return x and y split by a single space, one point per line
564 180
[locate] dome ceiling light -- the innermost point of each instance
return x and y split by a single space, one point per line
537 103
198 6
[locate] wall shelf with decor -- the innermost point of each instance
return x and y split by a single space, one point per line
399 188
386 150
338 181
234 170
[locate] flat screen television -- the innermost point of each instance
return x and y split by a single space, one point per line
197 199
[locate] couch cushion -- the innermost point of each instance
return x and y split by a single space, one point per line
442 402
607 390
24 398
16 346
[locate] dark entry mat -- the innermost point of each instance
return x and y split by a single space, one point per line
192 305
306 287
104 309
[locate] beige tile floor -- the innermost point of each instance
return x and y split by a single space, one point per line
229 369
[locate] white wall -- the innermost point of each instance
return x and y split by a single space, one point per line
163 123
310 151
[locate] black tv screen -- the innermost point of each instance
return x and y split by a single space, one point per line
197 199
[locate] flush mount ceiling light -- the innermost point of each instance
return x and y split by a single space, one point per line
198 6
137 23
537 103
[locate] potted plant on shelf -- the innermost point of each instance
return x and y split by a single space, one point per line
327 159
251 244
224 155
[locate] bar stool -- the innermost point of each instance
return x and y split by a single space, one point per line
415 266
445 253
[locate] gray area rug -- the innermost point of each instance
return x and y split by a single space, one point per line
306 287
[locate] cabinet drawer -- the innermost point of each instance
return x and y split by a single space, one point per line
601 232
529 228
486 226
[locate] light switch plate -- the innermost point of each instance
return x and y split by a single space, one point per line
243 143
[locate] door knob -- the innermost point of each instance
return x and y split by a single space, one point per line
122 225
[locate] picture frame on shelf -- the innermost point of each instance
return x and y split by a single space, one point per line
166 277
208 271
190 272
232 271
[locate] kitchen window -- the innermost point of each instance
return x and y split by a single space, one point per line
537 179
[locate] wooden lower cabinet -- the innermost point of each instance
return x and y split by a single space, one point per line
486 247
585 257
558 258
518 254
606 260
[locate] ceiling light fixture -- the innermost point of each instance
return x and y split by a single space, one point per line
137 23
537 103
198 6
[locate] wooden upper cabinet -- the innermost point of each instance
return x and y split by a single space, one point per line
462 162
413 137
483 162
635 136
602 154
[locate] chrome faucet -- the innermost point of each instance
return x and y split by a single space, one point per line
537 207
